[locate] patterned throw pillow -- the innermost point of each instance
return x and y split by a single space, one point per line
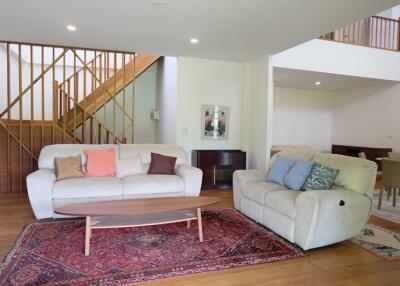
320 178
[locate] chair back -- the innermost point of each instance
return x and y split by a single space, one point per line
362 155
391 173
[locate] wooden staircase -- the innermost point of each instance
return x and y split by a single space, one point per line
107 90
35 114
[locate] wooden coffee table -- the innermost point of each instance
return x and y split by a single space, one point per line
138 212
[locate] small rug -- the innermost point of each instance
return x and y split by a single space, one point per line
387 211
380 241
52 252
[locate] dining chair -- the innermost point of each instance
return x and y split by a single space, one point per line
362 155
390 180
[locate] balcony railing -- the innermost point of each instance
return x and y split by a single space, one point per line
375 32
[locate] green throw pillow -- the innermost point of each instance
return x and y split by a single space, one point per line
320 178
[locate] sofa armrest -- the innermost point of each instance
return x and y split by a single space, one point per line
240 178
40 185
192 178
329 216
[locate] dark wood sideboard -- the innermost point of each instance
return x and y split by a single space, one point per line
370 153
218 166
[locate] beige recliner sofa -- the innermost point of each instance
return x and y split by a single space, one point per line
46 194
312 218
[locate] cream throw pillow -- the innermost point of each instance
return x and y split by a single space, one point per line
68 167
129 166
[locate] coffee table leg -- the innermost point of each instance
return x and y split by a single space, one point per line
188 224
200 225
87 236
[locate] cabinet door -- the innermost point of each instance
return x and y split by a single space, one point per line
206 164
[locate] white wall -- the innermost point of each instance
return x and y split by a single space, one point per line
302 117
393 13
14 83
145 104
344 59
208 82
166 100
360 117
367 117
257 112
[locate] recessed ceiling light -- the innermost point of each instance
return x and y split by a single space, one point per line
158 4
194 40
317 83
71 28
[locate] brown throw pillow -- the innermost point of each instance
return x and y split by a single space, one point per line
160 164
68 167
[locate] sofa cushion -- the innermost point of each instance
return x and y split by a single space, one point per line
293 154
256 191
49 152
162 165
148 184
320 178
282 201
87 187
100 163
68 167
279 169
354 173
131 150
297 175
129 166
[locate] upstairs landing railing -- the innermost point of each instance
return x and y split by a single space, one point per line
375 32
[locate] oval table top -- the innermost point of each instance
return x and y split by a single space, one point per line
131 207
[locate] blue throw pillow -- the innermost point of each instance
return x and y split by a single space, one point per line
279 169
320 178
297 175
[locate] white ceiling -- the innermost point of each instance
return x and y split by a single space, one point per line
292 78
227 29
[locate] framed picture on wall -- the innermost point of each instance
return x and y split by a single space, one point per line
215 122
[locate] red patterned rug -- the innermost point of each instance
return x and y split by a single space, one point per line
51 252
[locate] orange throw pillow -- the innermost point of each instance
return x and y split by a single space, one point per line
100 163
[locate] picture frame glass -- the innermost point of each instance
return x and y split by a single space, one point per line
215 122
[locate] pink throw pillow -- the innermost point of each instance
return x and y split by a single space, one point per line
100 163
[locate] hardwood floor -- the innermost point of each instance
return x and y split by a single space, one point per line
339 264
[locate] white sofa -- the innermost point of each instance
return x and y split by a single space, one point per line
46 194
313 218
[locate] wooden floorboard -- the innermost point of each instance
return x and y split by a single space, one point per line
340 264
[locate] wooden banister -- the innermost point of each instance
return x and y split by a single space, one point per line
63 103
375 32
93 119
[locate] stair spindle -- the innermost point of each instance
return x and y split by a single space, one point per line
91 130
99 133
